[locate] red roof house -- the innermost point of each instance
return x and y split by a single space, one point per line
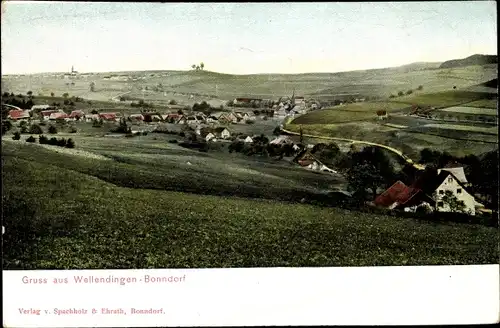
18 114
77 113
108 116
46 113
58 115
401 196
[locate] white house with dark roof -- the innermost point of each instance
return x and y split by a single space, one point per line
447 181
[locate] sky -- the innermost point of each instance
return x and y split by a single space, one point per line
241 38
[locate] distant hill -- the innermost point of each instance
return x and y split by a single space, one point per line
471 60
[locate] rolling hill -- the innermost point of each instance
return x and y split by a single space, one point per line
471 60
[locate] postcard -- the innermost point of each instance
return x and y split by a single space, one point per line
239 164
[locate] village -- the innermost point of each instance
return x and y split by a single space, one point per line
446 190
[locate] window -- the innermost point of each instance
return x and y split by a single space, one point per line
440 204
459 190
441 192
450 179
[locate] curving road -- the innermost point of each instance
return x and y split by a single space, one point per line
396 151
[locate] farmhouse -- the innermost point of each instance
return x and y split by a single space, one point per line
447 181
155 118
401 196
136 117
59 116
209 137
212 119
182 119
222 132
299 101
428 191
90 118
76 115
242 116
108 116
228 118
171 118
18 115
281 140
382 114
307 160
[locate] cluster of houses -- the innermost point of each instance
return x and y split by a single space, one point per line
47 113
428 191
307 160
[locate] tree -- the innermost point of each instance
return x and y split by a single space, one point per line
172 102
52 129
65 95
16 136
453 203
363 177
6 126
52 94
409 92
193 66
420 87
197 68
29 93
202 65
301 135
392 96
31 139
488 177
94 111
92 86
70 143
42 139
35 129
400 93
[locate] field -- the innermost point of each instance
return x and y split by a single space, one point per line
348 113
484 103
444 99
80 213
471 110
488 130
211 85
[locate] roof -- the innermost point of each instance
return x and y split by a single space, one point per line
58 115
429 183
18 114
398 192
306 162
137 116
457 171
280 139
48 112
108 116
220 129
76 113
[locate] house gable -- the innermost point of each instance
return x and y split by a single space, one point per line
459 190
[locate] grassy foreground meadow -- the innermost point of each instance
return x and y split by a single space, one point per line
59 214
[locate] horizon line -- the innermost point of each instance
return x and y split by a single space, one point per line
248 74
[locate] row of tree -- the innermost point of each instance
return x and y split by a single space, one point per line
43 140
198 67
408 92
